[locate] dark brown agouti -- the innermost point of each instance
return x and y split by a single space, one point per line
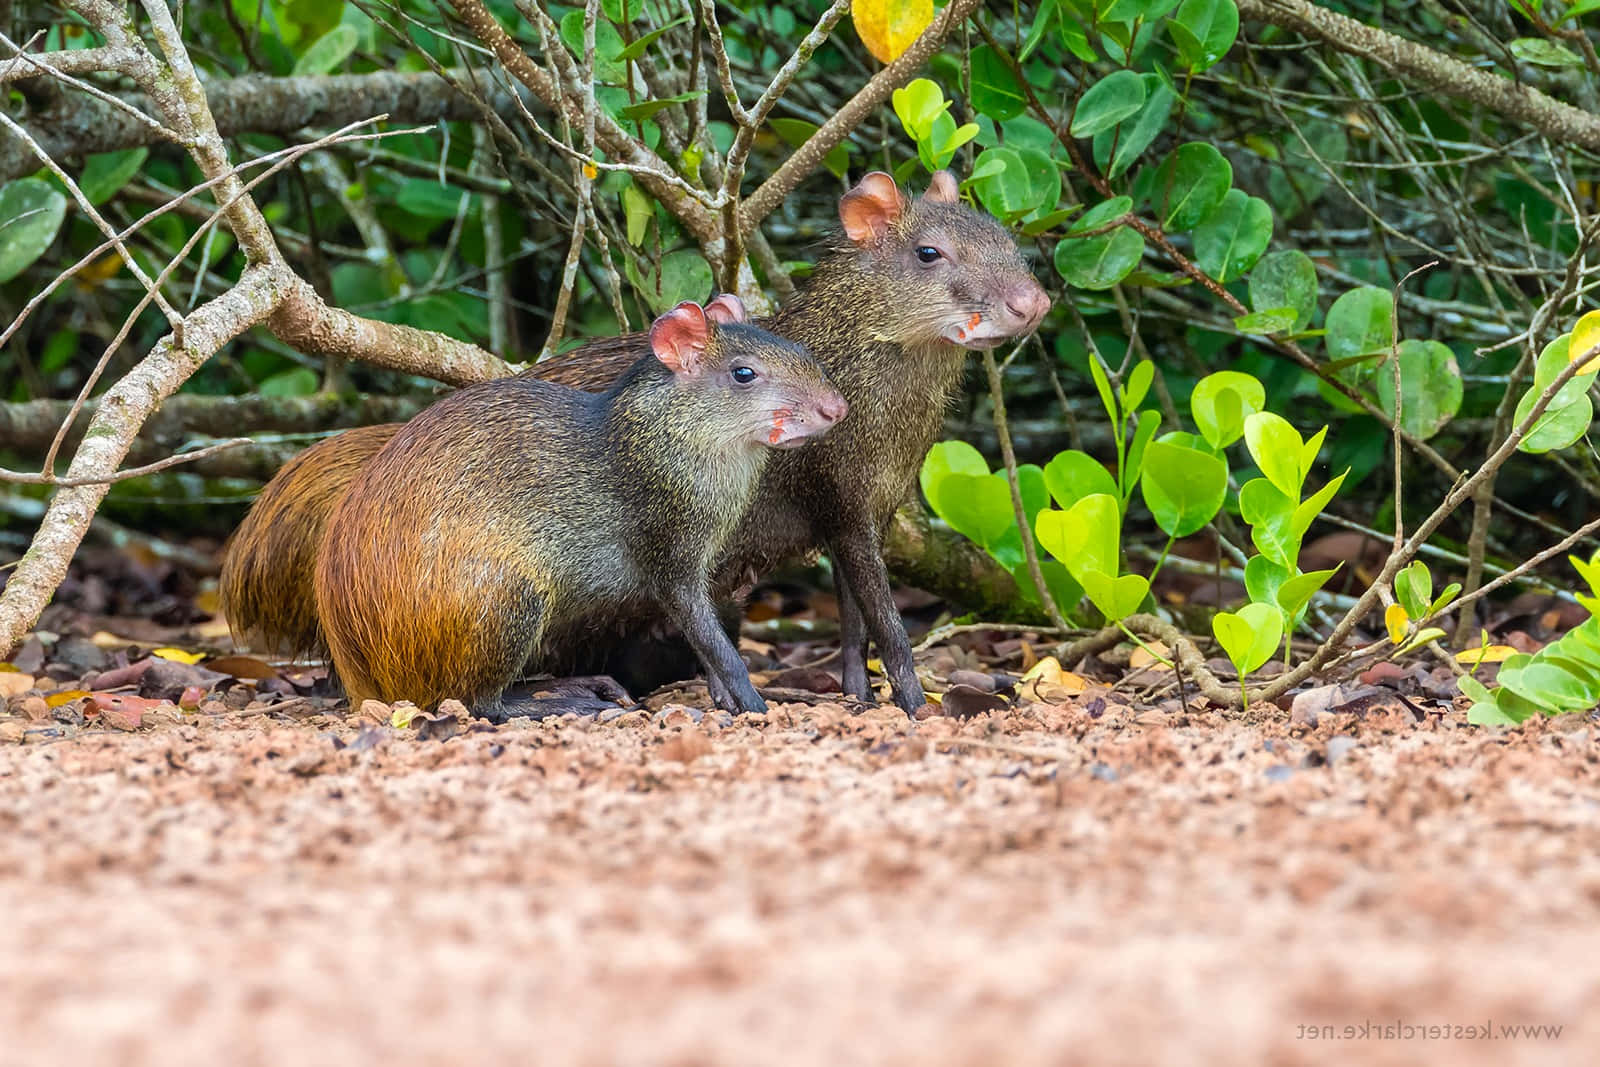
889 312
509 521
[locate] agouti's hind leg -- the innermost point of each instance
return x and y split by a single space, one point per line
852 640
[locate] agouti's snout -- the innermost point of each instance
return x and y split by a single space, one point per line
1029 303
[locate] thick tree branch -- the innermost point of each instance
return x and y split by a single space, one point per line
1420 65
80 125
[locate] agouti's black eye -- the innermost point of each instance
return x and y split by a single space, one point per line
927 253
743 375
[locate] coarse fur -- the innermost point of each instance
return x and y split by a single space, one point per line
891 331
562 512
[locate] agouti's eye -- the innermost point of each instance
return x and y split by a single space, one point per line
743 375
927 253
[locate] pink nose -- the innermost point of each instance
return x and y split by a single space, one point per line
1028 302
832 408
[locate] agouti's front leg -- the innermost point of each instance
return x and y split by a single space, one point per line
852 639
696 616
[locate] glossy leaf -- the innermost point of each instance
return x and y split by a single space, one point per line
995 90
1100 261
1221 401
1249 636
1073 475
1182 487
1188 186
1107 102
1203 31
1234 236
1430 387
944 459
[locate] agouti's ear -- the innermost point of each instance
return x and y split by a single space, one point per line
869 209
726 308
679 338
943 188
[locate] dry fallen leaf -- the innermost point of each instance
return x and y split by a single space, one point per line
178 655
1050 683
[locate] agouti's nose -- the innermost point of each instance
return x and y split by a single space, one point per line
832 408
1028 303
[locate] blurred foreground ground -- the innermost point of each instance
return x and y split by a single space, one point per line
1135 888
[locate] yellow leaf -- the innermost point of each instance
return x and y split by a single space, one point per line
1048 668
64 696
404 711
1486 654
875 666
1049 683
887 27
178 655
590 171
1585 335
1396 619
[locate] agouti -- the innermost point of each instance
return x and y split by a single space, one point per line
503 526
888 313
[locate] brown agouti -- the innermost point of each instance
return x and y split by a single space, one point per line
888 313
506 523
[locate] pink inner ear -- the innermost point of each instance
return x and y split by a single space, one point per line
679 338
726 308
869 209
944 188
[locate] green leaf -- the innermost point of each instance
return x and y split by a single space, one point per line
1203 31
1075 36
1221 401
944 459
977 508
1286 279
106 173
1118 148
640 44
1116 598
300 381
1542 52
1232 237
685 275
30 215
429 199
995 89
328 51
1270 514
1188 186
1073 475
1139 379
1564 421
608 68
1249 636
1182 487
1430 387
1107 102
639 211
1016 181
1547 686
1295 593
917 105
1276 446
646 108
1266 323
1264 578
1086 537
1143 434
1101 261
1360 322
1413 588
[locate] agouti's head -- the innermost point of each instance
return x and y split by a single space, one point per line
950 273
772 390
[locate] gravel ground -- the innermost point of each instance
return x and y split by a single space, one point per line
1035 886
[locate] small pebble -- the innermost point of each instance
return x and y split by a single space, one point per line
1101 772
1280 772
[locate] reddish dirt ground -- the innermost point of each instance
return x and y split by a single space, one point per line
1035 886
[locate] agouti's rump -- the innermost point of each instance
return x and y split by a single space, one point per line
507 523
